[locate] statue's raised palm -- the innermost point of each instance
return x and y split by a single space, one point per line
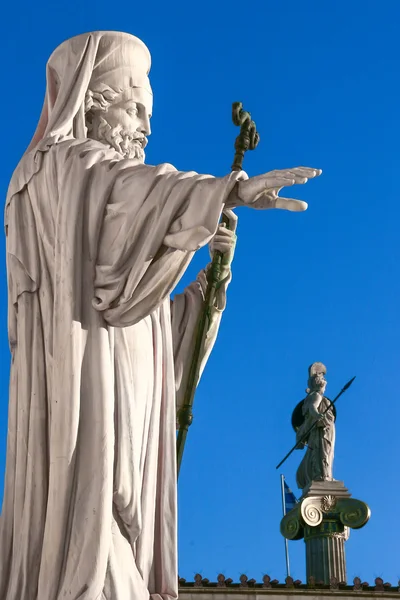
261 192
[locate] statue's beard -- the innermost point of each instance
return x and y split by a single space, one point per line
130 145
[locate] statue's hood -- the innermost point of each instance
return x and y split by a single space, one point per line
90 60
93 60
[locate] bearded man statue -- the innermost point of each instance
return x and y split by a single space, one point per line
96 243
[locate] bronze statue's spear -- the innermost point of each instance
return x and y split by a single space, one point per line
307 433
247 139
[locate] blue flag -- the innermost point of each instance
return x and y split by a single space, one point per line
290 498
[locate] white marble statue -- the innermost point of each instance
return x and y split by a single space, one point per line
96 243
317 462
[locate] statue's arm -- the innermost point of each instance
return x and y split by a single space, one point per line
150 222
315 412
312 414
224 241
186 308
314 402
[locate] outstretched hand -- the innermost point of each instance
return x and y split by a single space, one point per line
261 192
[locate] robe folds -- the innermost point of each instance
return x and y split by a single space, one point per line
95 246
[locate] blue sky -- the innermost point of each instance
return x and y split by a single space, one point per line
321 79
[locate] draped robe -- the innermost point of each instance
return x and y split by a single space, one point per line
95 246
317 462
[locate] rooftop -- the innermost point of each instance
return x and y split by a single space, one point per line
225 588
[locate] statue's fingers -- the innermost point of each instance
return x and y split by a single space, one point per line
291 204
317 172
298 178
223 248
288 174
232 219
260 183
307 172
224 241
249 191
279 182
223 233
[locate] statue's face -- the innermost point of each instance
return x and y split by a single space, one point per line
125 125
317 383
132 111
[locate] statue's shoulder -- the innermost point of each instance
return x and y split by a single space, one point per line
41 161
311 396
81 148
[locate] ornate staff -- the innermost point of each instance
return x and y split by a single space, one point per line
247 139
307 433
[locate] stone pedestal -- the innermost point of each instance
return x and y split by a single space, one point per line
322 517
